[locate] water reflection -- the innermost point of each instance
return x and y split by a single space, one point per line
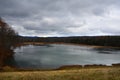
57 55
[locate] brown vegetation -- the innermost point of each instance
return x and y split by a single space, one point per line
116 65
4 54
107 73
70 67
95 66
8 38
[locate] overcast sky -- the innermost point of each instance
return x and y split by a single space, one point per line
62 17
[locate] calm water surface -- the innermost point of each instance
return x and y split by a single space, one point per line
54 56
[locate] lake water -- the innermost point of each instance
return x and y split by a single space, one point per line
54 56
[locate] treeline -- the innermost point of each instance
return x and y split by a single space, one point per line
89 40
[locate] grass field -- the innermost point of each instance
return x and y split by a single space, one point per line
108 73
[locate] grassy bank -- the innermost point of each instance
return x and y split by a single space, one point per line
103 73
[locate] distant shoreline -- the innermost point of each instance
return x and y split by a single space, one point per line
47 43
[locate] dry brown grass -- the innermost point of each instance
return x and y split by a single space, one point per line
107 73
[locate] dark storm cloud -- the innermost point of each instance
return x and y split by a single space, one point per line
62 17
12 8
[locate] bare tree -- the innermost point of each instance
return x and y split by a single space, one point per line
7 35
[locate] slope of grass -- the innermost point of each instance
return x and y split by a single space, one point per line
107 73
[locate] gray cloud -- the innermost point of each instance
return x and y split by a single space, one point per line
62 17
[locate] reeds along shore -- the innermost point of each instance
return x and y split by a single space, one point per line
4 55
87 66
